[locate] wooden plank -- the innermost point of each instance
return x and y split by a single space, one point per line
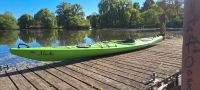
6 83
150 64
70 80
87 79
157 54
154 60
149 56
173 59
147 66
20 81
118 72
106 80
51 79
140 58
35 80
136 66
140 73
132 68
123 79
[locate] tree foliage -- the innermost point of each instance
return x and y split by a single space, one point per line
71 16
151 18
125 14
45 19
135 19
148 4
94 20
115 13
25 21
112 14
136 5
8 21
172 10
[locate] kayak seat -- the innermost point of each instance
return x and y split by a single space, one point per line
128 41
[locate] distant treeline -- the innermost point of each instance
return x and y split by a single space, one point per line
126 14
112 14
68 16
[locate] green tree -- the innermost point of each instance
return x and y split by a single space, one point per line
115 13
8 21
45 19
136 5
63 12
136 19
175 21
71 16
25 21
150 18
169 7
94 20
148 4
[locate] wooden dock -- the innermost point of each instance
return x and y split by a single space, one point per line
129 71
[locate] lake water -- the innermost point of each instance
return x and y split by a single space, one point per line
38 38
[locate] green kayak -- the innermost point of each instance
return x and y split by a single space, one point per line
82 51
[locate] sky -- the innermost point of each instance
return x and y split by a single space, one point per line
19 7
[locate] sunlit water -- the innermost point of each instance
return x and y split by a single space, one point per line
38 38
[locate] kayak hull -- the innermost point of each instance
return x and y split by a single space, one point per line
72 52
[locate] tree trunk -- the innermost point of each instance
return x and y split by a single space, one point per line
162 24
191 46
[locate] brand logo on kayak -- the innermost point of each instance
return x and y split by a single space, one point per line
46 53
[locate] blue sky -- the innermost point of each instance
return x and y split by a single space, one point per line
19 7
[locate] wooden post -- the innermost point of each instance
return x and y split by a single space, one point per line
162 24
191 46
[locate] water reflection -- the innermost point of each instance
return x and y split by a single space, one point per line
102 35
88 41
36 38
47 37
27 36
8 38
72 37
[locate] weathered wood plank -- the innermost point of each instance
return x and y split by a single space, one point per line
87 79
70 80
154 60
20 81
139 73
51 79
35 80
151 56
123 79
122 73
147 66
133 68
108 81
6 83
